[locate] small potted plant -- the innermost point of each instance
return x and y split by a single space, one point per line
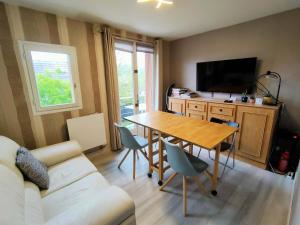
267 100
244 97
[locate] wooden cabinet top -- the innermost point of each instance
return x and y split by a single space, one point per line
221 101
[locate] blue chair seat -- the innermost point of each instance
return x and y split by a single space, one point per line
143 142
198 164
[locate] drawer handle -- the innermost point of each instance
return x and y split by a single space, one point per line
196 107
221 110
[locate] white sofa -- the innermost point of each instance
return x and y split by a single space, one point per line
78 193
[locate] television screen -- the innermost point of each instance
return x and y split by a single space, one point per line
227 76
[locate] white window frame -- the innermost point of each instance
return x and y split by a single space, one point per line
25 47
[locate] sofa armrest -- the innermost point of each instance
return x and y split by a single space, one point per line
53 154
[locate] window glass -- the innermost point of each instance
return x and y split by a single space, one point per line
53 78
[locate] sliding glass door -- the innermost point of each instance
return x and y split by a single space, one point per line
135 63
145 65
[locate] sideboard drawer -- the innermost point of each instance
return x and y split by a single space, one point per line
196 105
196 114
221 111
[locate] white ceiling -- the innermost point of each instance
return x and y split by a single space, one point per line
184 18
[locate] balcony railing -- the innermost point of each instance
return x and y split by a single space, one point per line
127 106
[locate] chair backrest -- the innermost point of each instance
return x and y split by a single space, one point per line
236 125
217 120
233 124
228 123
127 138
178 160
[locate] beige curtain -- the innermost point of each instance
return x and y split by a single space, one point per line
159 74
112 87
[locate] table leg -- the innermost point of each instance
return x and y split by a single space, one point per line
181 144
160 161
191 149
150 152
216 171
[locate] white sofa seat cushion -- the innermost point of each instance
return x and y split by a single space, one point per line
67 172
12 197
77 193
34 214
110 206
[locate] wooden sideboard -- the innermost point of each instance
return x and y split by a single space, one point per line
257 123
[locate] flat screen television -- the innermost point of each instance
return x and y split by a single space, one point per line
227 76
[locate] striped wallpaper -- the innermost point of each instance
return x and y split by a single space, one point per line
16 119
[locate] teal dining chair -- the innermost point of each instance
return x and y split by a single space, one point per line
134 143
186 165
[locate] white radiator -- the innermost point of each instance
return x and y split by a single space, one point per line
89 130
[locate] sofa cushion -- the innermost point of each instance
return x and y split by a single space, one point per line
8 154
67 172
57 153
12 197
32 168
33 205
74 194
108 206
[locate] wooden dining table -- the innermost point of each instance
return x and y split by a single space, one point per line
194 131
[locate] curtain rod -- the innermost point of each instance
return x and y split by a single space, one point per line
133 39
99 28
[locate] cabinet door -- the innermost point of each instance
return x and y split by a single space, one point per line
177 105
255 133
196 114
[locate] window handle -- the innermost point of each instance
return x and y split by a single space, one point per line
137 101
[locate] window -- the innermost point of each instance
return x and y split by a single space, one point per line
51 76
135 72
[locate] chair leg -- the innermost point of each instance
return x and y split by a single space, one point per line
210 155
225 164
168 181
124 158
200 185
184 194
144 150
144 154
199 152
134 156
233 158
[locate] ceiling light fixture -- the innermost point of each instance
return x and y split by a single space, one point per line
159 2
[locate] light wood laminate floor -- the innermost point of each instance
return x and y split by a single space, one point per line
246 195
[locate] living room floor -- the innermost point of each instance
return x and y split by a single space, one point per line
246 195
